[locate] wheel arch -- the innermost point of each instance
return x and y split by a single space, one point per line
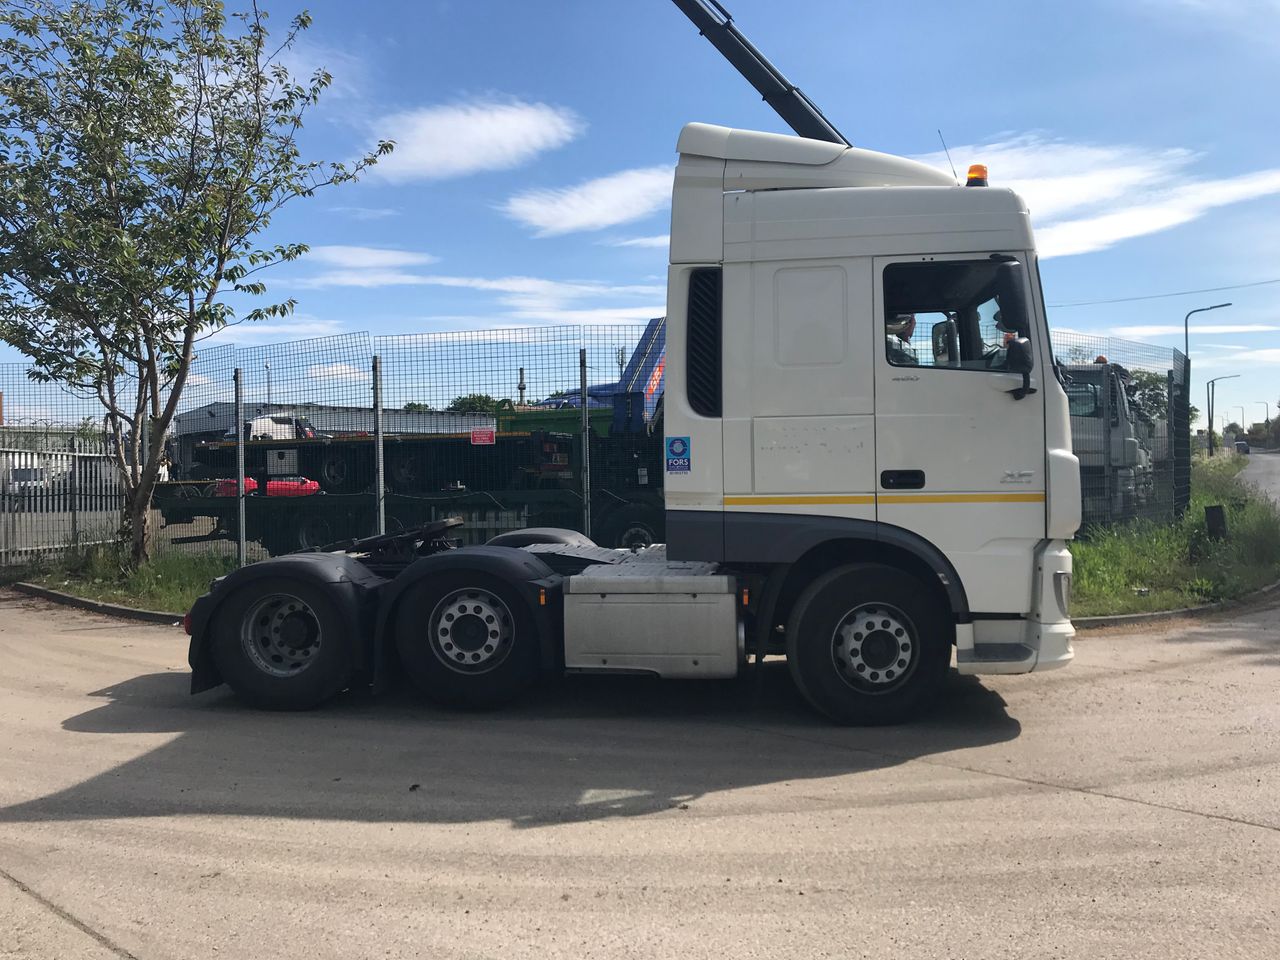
525 573
352 586
891 547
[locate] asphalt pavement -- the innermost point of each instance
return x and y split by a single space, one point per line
1128 806
1263 470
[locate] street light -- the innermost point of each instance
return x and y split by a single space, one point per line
1267 404
268 366
1210 395
1186 326
1241 420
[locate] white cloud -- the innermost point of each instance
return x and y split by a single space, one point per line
346 71
366 213
337 372
361 258
593 204
1167 329
1113 192
300 327
661 240
453 140
519 299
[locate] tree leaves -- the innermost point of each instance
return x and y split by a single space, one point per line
144 145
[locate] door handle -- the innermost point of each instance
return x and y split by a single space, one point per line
902 479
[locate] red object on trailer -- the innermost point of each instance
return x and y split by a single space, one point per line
276 487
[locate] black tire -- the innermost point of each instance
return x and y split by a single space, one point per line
632 526
335 472
442 666
850 667
259 664
404 472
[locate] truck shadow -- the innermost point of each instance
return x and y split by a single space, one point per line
583 749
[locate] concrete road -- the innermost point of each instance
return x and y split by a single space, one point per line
1263 471
1126 807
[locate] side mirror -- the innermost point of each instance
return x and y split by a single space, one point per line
946 343
1013 297
1019 358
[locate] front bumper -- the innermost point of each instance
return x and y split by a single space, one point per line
1040 641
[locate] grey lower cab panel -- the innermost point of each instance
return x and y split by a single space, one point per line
673 619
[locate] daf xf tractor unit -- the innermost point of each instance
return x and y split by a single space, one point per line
866 453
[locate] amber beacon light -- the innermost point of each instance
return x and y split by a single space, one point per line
977 175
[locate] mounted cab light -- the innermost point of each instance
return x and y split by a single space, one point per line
542 597
977 175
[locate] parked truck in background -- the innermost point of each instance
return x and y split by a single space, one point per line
1112 442
861 498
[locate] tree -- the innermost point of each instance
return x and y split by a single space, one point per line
415 406
144 147
473 403
1149 395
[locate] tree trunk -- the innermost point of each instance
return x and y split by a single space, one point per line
137 524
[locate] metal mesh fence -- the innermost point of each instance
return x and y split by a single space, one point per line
1130 422
58 486
559 426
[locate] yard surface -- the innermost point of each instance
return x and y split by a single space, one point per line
1128 806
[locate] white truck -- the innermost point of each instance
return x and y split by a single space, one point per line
867 454
1112 443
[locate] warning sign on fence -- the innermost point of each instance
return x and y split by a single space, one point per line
483 436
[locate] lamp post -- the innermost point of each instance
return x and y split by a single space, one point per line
1241 420
1267 405
1210 395
1186 325
268 368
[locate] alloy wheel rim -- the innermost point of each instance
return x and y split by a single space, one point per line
281 635
875 648
471 631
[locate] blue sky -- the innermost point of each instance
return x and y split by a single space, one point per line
532 178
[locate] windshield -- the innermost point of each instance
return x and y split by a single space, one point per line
1083 400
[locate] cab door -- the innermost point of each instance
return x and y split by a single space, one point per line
960 442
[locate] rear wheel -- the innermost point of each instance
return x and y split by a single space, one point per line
282 644
468 640
335 472
632 527
867 644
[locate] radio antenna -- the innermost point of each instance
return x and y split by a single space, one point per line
948 153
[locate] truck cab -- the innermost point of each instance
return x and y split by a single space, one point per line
277 428
867 377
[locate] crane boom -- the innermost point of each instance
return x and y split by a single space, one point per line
799 112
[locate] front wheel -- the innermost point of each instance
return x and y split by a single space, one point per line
867 645
467 640
282 644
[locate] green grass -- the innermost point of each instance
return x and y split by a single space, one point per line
168 582
1145 565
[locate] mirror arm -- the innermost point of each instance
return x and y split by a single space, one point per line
1020 393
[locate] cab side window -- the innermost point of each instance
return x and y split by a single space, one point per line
948 314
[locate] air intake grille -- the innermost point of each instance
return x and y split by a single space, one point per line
703 342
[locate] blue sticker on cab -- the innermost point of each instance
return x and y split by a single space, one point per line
677 454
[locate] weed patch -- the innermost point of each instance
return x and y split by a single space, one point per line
1146 565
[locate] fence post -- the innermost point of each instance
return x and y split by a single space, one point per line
240 539
586 441
1108 465
379 458
1182 465
73 489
